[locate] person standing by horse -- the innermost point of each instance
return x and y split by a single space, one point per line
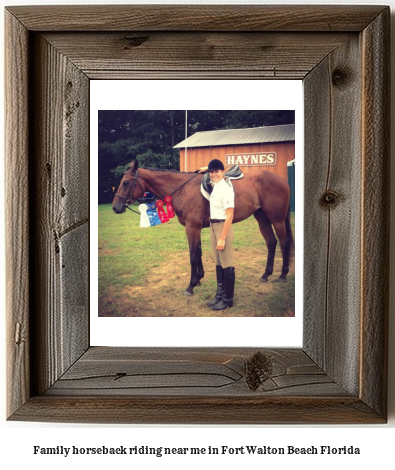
222 203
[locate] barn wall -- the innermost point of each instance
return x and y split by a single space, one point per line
201 156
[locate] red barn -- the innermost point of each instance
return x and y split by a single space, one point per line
268 147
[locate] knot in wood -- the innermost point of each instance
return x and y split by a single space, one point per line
18 334
259 369
330 199
135 41
339 77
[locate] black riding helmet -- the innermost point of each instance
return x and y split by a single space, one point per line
215 165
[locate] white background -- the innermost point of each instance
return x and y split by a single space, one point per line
211 94
17 439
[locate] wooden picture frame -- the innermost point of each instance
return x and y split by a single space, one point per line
340 373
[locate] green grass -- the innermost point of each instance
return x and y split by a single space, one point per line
127 252
144 271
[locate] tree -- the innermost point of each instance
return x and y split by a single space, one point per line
150 136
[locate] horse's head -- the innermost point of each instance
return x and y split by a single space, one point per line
130 189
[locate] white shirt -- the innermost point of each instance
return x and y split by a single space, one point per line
221 198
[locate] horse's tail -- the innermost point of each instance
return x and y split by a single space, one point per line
289 240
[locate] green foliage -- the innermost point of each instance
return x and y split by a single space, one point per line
150 136
119 171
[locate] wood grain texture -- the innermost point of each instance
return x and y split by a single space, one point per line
196 17
339 375
60 251
375 207
333 157
17 213
344 179
196 55
192 372
317 151
198 410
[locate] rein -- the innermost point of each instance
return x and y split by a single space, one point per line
127 207
194 176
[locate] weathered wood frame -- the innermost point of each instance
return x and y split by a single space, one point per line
340 374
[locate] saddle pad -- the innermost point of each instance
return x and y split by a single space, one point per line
233 173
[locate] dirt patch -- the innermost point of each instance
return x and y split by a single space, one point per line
162 293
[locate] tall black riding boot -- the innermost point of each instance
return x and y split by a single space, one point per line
227 298
220 287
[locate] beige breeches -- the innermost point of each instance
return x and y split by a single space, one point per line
223 257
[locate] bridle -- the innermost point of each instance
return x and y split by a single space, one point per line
128 200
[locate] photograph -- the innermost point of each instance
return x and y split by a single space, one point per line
196 213
162 305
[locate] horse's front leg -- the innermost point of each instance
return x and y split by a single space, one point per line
195 255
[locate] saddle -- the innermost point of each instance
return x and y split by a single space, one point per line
233 173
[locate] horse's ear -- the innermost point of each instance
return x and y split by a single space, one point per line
134 164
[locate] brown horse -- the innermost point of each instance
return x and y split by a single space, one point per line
261 193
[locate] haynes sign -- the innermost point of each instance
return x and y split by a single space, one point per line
251 159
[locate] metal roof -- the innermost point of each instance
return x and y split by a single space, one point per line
254 135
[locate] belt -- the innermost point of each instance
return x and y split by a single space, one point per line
216 221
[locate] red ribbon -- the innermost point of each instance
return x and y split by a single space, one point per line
161 212
169 206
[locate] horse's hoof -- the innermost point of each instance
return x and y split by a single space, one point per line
280 279
263 279
188 294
